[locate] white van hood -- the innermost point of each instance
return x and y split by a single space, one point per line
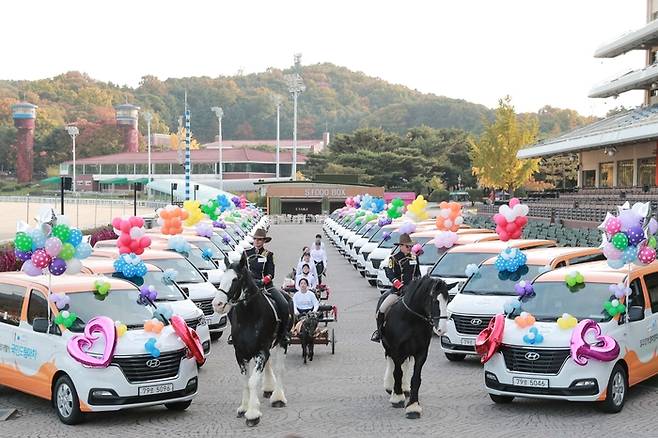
554 336
200 291
467 304
133 342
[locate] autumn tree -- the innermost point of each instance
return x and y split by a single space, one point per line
493 154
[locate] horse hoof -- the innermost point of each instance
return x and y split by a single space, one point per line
241 414
278 404
413 415
406 394
254 422
388 391
267 394
398 404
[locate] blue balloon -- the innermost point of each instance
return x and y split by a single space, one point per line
75 236
629 255
38 238
616 264
83 250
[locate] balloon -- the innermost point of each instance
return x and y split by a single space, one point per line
83 250
604 348
615 264
613 226
646 255
567 321
407 228
620 241
490 339
450 216
173 217
75 237
29 268
151 347
629 255
514 201
524 289
524 320
73 266
67 252
204 230
78 345
193 209
574 278
23 242
533 337
189 338
635 235
417 210
61 231
395 209
38 238
40 258
120 328
511 219
57 266
148 293
445 239
22 255
153 326
614 307
60 300
53 246
610 252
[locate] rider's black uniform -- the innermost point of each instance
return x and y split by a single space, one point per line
402 267
261 262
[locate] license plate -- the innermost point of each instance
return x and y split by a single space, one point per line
534 383
156 389
468 341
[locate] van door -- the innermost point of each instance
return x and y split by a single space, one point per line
649 342
11 305
38 349
636 336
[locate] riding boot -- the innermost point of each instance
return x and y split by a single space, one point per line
377 335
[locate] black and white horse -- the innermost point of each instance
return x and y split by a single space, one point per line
260 322
406 337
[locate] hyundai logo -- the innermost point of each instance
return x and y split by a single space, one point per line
153 363
531 355
476 321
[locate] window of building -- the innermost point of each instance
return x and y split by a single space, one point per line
141 169
203 168
161 169
91 169
37 307
625 173
80 169
11 303
646 171
126 169
589 177
605 174
108 169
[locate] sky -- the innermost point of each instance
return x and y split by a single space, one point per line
538 52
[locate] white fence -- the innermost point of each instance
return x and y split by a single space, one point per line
297 218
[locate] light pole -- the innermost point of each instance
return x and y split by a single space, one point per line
148 117
219 112
295 86
277 102
73 132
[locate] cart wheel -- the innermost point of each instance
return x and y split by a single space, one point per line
333 342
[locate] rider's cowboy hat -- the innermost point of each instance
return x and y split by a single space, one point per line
405 240
261 234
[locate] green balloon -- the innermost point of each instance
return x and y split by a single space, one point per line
67 252
61 231
652 242
23 242
620 241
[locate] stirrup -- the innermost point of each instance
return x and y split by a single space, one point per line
376 336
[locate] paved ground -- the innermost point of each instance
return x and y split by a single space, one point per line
342 395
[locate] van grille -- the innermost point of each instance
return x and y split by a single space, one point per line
136 370
548 361
205 306
471 324
376 263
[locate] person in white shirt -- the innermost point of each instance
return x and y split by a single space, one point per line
319 257
306 260
311 280
304 300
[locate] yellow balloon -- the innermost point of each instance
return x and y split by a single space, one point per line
193 209
567 321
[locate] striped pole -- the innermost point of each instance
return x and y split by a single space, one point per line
188 164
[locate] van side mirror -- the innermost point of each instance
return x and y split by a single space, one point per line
635 313
41 325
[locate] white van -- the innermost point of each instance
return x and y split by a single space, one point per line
34 357
548 369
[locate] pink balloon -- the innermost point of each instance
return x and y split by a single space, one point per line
124 249
511 227
502 234
145 242
116 223
499 219
581 350
613 226
40 258
79 345
125 226
521 221
516 234
513 202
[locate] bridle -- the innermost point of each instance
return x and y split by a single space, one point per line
428 319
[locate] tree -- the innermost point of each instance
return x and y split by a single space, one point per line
493 154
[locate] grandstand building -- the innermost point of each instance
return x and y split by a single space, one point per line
618 152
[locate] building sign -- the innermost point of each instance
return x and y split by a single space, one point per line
324 193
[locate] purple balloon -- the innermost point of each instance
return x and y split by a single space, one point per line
29 268
629 219
653 226
23 255
635 235
610 252
57 266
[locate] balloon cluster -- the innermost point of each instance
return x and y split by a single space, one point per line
417 210
370 203
445 239
524 289
130 266
147 293
614 307
179 244
511 219
211 209
533 337
219 224
417 249
170 219
395 208
574 278
567 321
384 221
204 230
511 306
450 216
471 270
524 320
194 213
629 236
407 228
619 290
510 260
224 203
58 248
131 234
101 288
353 201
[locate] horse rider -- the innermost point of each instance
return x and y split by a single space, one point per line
401 270
319 257
261 260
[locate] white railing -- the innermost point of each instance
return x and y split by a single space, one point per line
297 218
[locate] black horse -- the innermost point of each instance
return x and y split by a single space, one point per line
406 337
307 335
260 321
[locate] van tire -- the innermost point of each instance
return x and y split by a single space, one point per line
215 336
501 399
372 283
178 406
455 357
66 402
616 392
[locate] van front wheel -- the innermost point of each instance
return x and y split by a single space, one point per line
65 399
615 395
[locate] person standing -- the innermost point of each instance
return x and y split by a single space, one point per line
319 257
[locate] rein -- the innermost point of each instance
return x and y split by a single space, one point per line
427 319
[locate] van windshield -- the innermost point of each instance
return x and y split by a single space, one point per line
187 273
391 241
430 254
490 281
377 237
371 232
119 305
453 264
195 256
208 245
167 290
552 299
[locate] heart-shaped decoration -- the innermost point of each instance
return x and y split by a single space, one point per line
79 345
189 338
605 348
489 339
